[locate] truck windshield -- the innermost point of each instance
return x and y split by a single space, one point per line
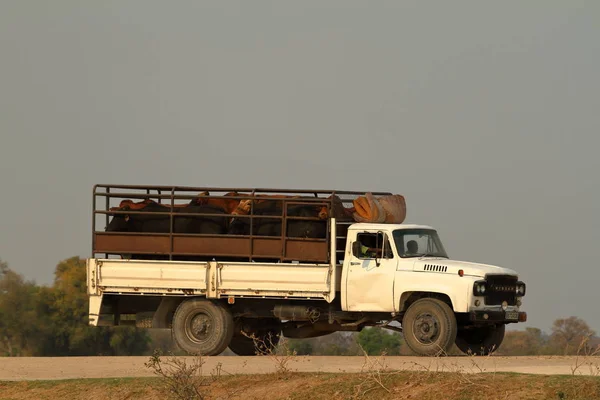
418 243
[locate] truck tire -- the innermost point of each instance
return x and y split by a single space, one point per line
482 340
202 327
429 327
265 340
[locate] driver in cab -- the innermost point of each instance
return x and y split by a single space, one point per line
412 248
366 251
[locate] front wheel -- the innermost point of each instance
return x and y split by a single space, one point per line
202 327
429 327
481 340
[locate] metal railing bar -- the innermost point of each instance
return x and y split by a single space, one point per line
177 196
219 189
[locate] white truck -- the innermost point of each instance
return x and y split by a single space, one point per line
341 276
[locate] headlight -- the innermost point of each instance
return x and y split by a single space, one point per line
479 288
520 289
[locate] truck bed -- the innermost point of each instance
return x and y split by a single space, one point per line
212 279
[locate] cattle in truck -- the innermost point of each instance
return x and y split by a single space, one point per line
140 218
270 225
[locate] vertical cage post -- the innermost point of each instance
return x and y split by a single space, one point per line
284 229
171 223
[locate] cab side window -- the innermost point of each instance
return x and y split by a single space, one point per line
372 245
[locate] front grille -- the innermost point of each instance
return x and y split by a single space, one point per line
501 288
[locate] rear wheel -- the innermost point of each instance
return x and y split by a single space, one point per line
481 340
202 327
429 327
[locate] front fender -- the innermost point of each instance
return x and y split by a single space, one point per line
457 288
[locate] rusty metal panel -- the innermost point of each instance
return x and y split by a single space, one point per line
211 245
305 250
115 243
267 247
271 247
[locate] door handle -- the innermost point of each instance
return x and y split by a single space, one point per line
354 263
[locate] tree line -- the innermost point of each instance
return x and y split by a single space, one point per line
52 320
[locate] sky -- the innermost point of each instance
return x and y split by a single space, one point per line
483 114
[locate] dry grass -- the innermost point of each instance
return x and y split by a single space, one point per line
180 380
427 380
279 353
586 358
374 384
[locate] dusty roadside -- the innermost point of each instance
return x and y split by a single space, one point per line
394 385
32 368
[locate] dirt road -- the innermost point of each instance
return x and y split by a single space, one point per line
35 368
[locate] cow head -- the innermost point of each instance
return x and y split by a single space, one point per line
323 212
243 207
120 222
201 200
125 222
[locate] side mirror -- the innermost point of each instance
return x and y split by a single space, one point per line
356 248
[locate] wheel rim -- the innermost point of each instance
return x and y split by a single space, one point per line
426 328
199 327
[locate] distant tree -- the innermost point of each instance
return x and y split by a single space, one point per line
375 341
569 333
333 344
70 333
17 313
53 321
161 339
522 343
337 344
302 347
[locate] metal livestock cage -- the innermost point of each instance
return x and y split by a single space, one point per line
251 246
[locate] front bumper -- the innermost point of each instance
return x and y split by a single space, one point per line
498 316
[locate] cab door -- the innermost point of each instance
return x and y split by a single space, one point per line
370 276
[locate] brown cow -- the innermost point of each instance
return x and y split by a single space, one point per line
130 205
244 206
272 205
227 205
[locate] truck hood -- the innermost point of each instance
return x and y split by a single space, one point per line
442 265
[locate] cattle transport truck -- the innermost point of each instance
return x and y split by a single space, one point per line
291 263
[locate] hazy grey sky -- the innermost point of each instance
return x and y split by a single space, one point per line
484 114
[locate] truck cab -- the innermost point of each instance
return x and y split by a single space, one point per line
404 270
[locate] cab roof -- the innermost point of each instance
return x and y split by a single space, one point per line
388 227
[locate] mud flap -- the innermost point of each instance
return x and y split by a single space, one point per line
164 314
95 305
